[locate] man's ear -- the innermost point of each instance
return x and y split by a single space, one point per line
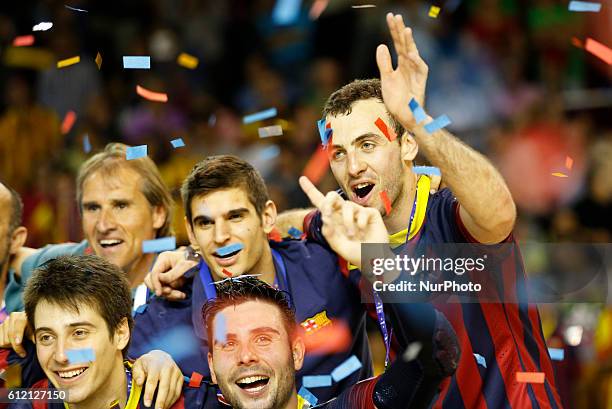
18 239
212 368
159 216
409 147
122 334
298 350
268 216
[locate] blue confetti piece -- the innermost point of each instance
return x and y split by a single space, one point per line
556 354
480 360
220 328
308 396
324 132
186 378
159 245
417 111
427 170
136 152
86 144
177 143
346 368
286 12
79 356
438 123
316 381
270 152
223 251
137 62
294 232
584 6
259 116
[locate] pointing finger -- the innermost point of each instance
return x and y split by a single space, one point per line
314 195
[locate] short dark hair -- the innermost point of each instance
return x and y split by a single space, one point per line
236 291
342 100
16 210
112 158
73 281
224 172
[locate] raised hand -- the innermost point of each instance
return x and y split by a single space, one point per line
346 224
409 79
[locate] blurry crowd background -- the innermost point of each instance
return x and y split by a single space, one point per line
512 75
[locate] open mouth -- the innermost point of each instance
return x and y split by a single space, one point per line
69 376
109 243
363 189
253 383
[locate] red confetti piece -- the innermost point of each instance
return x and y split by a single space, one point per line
386 202
576 42
569 162
151 95
317 8
227 273
196 380
530 377
317 165
68 122
599 50
559 174
23 41
275 235
383 128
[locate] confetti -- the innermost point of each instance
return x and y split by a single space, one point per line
438 123
187 61
275 235
427 170
159 245
42 26
137 62
308 396
386 202
23 41
569 162
598 50
68 122
224 251
480 360
383 128
135 152
86 144
220 328
556 354
269 153
99 60
584 6
75 9
316 381
274 130
412 351
318 7
325 131
177 143
151 95
81 355
68 61
559 175
417 111
434 11
317 165
286 12
196 380
363 6
576 42
530 377
346 368
227 273
295 232
259 116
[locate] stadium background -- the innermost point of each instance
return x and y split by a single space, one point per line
512 75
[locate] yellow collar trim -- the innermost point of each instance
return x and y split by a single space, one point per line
302 403
422 192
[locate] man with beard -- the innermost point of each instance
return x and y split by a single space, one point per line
122 203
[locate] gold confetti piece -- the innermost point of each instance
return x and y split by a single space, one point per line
559 175
569 162
99 60
68 61
434 11
151 95
530 377
187 61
